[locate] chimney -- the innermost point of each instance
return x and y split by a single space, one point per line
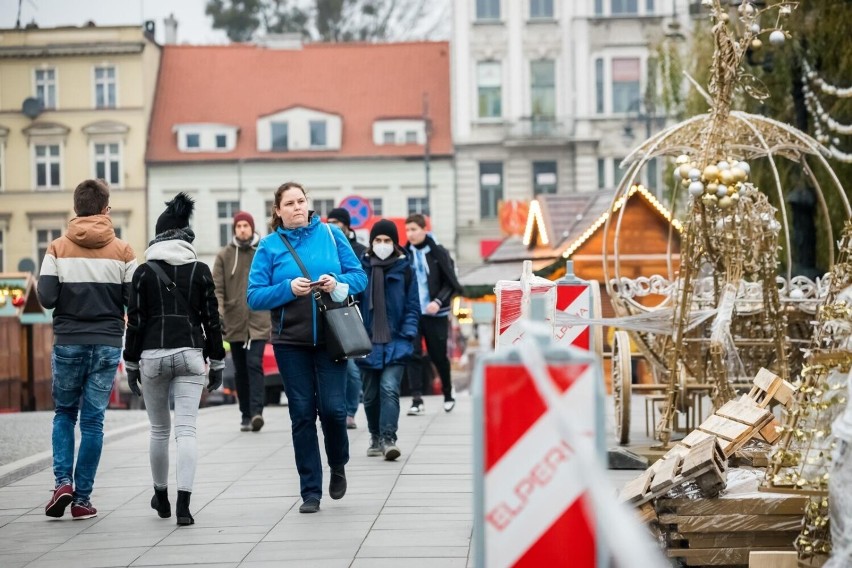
171 25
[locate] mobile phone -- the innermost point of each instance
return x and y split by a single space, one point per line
316 283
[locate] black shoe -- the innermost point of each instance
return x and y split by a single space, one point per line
256 423
160 503
245 425
311 505
375 448
183 515
337 485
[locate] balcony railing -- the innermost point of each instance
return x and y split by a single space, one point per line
539 128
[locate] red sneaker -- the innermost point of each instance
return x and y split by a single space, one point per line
62 497
83 511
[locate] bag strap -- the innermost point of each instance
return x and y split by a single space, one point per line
172 287
317 294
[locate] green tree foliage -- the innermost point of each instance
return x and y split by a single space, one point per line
328 20
818 32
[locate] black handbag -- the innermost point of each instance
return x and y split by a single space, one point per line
345 335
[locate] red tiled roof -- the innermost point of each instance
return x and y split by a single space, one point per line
237 84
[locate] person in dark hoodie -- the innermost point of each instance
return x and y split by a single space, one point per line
313 379
172 327
342 219
391 310
247 331
437 283
85 278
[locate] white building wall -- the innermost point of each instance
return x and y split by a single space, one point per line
392 180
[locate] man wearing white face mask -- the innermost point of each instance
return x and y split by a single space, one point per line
391 310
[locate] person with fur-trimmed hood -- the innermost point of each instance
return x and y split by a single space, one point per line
173 326
247 331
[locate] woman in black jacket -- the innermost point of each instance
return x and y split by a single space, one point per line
173 326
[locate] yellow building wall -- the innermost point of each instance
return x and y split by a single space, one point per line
23 208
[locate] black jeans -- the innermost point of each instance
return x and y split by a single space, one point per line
435 330
248 367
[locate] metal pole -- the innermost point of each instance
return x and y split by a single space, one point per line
427 123
240 184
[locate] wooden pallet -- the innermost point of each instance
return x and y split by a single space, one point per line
723 530
703 464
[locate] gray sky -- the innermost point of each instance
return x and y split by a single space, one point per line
193 24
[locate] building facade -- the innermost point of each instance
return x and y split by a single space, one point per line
548 97
232 123
74 104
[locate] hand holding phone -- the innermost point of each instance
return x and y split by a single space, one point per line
316 283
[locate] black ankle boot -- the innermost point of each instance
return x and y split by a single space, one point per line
337 485
183 515
160 503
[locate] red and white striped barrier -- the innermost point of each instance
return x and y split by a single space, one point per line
533 506
513 298
573 297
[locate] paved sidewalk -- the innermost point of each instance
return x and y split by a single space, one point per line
414 512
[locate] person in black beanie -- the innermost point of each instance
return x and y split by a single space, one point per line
172 327
341 218
391 310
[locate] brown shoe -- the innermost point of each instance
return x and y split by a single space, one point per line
62 497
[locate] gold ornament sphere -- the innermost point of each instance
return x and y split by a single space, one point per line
739 174
726 177
682 159
756 44
711 188
711 173
683 170
725 202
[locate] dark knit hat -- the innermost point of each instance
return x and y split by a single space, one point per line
176 215
244 216
341 215
386 228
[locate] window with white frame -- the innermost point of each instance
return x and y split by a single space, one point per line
43 239
621 7
318 138
487 10
617 171
221 141
225 211
626 90
2 162
490 188
389 137
377 206
108 162
48 166
599 86
279 132
489 85
541 9
601 173
544 177
2 250
45 87
105 87
193 140
411 137
322 207
543 88
418 205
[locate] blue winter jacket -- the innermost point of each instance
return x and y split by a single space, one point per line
323 250
402 301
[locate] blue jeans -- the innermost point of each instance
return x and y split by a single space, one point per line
353 387
381 400
314 384
83 376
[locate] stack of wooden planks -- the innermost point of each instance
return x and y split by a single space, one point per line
723 530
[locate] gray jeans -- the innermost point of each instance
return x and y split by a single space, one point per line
184 373
840 506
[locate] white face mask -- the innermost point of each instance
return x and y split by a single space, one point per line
383 250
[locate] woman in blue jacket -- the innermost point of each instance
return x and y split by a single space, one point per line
313 381
391 310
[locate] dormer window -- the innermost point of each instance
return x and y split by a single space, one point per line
206 137
279 132
398 131
317 133
298 129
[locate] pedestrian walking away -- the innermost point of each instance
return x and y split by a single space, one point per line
172 327
437 285
246 330
342 219
391 309
85 278
314 382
